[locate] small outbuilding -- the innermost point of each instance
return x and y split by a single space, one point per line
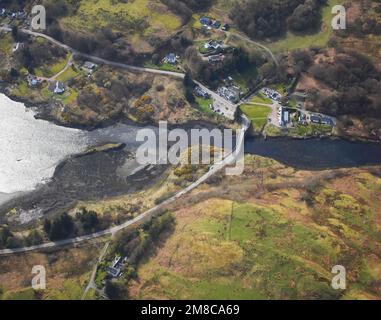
59 88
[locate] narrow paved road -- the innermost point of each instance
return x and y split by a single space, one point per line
92 284
226 107
95 58
215 168
230 159
68 64
101 60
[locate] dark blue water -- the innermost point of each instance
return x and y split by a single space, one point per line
316 154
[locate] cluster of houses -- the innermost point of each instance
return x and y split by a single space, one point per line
114 270
214 51
272 94
322 119
285 116
58 87
213 45
19 15
210 23
229 90
199 92
231 93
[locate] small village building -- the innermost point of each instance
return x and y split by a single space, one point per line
171 58
213 44
33 81
226 27
216 24
328 121
315 118
59 88
89 65
284 116
115 269
206 21
216 58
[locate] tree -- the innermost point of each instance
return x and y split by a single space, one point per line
34 238
155 59
115 290
262 19
60 228
188 81
305 16
14 73
15 33
47 226
89 220
5 235
188 87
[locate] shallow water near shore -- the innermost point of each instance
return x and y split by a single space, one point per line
316 154
43 165
31 149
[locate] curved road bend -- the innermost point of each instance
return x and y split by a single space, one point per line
255 43
97 59
226 106
113 230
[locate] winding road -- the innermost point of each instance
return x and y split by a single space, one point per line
226 107
97 59
228 160
272 55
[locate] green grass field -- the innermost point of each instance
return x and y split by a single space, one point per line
261 98
310 129
68 74
293 41
203 104
122 16
256 113
25 294
284 249
162 66
6 43
48 71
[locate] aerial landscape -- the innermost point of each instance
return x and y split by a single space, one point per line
190 150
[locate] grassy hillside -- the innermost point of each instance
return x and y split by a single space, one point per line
258 114
294 41
67 273
278 240
138 19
